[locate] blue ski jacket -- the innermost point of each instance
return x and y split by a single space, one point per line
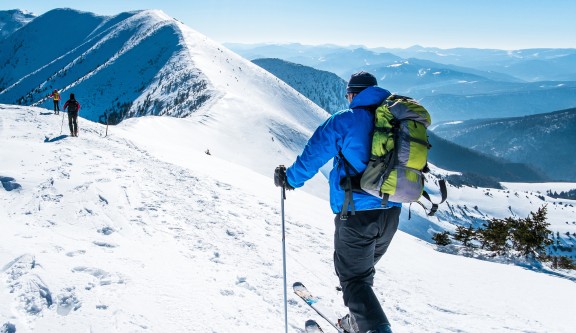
349 132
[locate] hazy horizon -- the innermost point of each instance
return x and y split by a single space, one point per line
508 25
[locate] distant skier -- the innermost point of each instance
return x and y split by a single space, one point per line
73 107
360 238
56 97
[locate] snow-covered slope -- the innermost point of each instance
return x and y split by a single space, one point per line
146 63
323 88
136 232
138 63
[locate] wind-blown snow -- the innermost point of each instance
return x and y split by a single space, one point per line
141 231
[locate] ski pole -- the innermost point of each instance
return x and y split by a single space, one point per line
62 125
282 198
106 126
106 118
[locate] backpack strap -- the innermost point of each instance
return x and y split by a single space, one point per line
348 200
443 192
392 158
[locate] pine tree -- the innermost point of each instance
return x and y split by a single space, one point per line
530 235
566 263
465 235
494 236
442 238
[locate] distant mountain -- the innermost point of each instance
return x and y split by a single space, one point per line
454 84
340 60
451 156
561 68
545 141
12 20
323 88
417 78
344 62
295 52
543 64
535 99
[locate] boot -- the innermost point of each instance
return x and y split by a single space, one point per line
348 324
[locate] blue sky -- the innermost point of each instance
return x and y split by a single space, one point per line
502 24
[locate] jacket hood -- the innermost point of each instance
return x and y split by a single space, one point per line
369 97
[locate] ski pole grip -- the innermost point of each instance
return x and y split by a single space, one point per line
280 176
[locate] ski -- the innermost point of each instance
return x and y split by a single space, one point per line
306 296
312 326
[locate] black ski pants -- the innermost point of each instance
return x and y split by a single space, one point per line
73 122
359 243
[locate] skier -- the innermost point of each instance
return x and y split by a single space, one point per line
362 238
56 97
73 107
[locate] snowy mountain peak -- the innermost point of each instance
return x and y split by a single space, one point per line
146 63
12 20
132 64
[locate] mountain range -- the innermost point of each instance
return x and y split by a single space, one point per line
542 140
507 65
452 156
456 84
543 64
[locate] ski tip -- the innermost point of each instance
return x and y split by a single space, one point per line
312 326
310 322
298 285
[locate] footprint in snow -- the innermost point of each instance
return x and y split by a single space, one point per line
67 301
106 230
8 328
30 293
104 278
75 253
104 244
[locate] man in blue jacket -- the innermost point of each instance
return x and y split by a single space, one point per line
364 231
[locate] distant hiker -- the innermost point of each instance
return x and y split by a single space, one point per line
364 232
73 107
56 97
207 152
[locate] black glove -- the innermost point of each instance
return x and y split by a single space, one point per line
280 178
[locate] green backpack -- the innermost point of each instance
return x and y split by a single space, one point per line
399 156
